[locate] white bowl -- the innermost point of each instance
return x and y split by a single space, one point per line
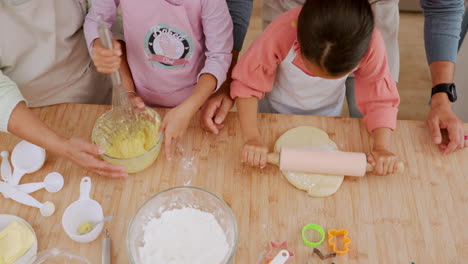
79 212
83 210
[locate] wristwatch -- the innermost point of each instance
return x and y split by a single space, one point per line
448 88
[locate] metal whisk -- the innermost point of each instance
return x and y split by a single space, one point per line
120 102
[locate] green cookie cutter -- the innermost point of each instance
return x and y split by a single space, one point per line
316 228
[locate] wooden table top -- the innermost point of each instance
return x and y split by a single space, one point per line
419 216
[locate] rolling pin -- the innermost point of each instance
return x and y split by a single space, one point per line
324 162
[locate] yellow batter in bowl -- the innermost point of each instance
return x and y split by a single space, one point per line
134 146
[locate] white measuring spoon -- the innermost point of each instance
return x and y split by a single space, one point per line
53 183
5 168
26 158
46 209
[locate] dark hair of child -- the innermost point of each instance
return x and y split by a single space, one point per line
335 34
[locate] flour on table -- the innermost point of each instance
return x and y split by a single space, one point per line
182 236
316 185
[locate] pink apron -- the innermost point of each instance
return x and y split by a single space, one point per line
164 55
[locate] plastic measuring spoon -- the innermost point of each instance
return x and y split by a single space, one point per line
5 168
53 183
83 210
26 158
46 209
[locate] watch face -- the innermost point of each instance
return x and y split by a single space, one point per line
453 93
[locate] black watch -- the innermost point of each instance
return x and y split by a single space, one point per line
448 88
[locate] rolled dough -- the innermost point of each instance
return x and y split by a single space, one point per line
316 185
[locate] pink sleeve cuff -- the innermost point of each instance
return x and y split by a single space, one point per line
218 67
238 89
381 118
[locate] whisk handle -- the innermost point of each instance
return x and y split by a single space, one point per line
106 41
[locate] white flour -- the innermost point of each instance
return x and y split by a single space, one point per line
184 236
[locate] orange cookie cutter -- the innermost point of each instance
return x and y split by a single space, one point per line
332 233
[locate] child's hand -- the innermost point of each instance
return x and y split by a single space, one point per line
106 60
255 153
174 125
383 161
136 101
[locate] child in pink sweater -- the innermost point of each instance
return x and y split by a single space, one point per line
176 53
299 65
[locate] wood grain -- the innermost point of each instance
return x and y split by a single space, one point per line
418 216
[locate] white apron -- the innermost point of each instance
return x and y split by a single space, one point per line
295 92
43 50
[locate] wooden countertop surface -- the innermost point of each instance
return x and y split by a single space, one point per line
419 216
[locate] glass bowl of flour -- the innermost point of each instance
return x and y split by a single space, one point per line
183 225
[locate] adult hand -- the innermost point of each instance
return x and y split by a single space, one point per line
84 154
216 108
441 116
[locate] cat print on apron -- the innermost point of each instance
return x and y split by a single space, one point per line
164 55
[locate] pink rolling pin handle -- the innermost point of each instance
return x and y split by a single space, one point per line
273 158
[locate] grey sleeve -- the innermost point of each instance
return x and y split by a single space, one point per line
240 10
442 27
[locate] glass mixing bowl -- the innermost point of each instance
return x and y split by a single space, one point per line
178 198
108 121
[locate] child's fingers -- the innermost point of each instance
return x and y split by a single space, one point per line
386 166
244 155
107 61
117 48
107 66
138 103
101 52
370 159
393 167
378 168
100 64
257 156
250 156
168 147
263 160
107 70
163 126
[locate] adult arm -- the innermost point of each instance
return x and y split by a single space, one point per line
442 28
19 120
216 108
240 11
